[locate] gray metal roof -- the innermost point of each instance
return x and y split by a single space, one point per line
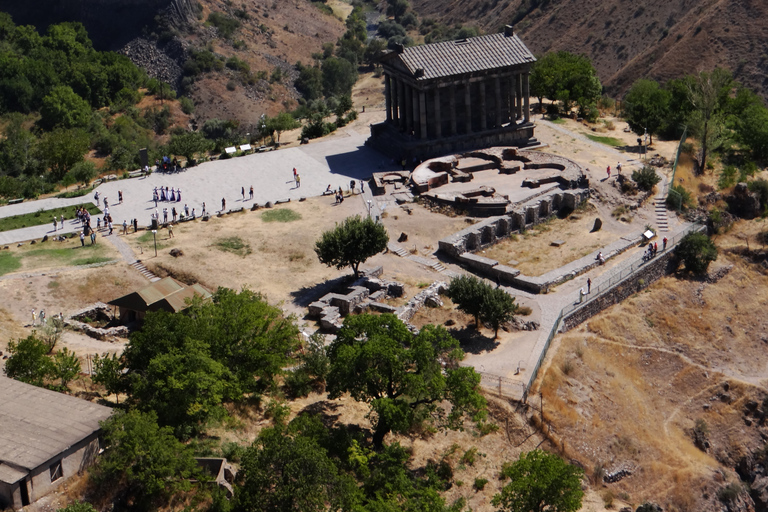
466 56
37 424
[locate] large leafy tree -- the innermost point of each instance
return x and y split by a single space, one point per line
28 361
475 297
280 123
566 77
61 149
402 376
351 243
290 468
540 481
708 94
646 107
185 387
64 108
696 251
145 458
184 365
188 145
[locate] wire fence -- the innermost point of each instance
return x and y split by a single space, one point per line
674 198
535 371
637 264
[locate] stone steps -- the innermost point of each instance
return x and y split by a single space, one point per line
138 265
660 208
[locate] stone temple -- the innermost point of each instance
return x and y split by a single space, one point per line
455 96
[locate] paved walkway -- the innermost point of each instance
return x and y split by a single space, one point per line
334 161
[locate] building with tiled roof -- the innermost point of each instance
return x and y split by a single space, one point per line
167 294
45 438
455 96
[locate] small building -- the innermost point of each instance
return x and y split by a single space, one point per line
454 96
167 294
45 438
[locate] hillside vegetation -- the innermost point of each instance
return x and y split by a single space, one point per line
630 40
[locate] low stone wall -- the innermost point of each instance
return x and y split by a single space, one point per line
489 231
652 271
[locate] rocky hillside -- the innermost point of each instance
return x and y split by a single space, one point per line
660 39
266 37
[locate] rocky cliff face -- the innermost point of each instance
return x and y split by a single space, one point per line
110 23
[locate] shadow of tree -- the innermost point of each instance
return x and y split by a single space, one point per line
324 410
305 295
474 342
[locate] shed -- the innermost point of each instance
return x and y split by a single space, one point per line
166 294
45 438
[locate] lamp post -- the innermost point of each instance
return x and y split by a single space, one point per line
154 237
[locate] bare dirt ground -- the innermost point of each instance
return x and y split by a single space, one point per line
626 388
533 252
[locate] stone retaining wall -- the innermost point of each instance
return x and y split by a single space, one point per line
652 271
489 231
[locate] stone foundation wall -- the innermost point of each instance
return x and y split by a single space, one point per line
654 270
489 231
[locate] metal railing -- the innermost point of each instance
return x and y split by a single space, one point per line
633 267
535 371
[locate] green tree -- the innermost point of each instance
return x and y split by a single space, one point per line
310 81
565 77
339 75
188 145
696 251
403 377
185 388
752 130
374 50
646 178
707 94
498 308
107 372
351 243
61 149
287 468
280 123
145 458
66 366
64 108
540 481
28 361
646 107
467 292
83 172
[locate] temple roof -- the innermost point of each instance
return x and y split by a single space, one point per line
451 58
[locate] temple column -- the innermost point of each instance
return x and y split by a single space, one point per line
423 113
415 118
453 109
408 109
400 102
467 109
438 120
526 98
519 96
497 83
388 97
483 108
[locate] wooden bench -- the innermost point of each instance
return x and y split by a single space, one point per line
16 201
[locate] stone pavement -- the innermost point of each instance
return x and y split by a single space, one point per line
333 161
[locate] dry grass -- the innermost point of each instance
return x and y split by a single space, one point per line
647 367
533 252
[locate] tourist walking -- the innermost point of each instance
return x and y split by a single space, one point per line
298 181
242 192
203 208
618 168
34 317
125 227
609 172
223 204
165 215
251 193
664 242
93 237
120 196
170 230
82 238
55 224
362 186
178 195
589 285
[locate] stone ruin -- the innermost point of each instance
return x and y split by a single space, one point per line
96 311
366 294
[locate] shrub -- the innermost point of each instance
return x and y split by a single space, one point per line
729 493
646 178
278 411
479 484
485 428
696 251
469 457
679 198
225 25
727 177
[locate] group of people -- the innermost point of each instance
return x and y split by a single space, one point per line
165 194
42 318
618 170
653 248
